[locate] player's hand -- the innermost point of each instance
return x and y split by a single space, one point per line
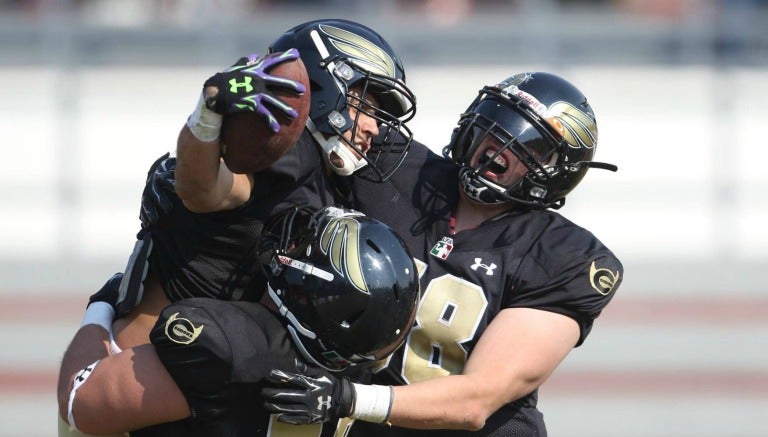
157 198
308 396
109 292
245 87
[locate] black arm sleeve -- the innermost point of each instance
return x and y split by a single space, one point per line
219 352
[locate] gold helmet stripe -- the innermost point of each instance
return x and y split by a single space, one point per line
579 128
341 238
367 54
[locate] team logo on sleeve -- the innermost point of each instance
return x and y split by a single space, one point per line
602 280
442 248
180 330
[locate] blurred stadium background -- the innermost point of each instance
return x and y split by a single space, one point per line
93 91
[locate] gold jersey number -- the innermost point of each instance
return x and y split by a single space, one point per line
449 314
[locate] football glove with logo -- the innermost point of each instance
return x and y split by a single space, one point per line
245 87
308 396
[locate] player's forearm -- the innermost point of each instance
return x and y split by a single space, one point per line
501 369
461 402
452 402
203 182
198 164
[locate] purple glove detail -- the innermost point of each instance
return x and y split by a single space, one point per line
246 87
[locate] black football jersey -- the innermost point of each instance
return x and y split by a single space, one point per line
533 259
213 254
219 354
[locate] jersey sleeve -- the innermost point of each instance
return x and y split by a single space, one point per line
215 349
569 272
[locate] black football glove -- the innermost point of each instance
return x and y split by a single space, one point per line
108 292
157 198
308 396
245 87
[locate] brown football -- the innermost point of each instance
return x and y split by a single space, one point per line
248 144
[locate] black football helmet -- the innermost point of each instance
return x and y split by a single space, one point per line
338 55
345 283
540 119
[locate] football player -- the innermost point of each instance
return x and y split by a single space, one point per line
201 222
509 286
343 291
199 218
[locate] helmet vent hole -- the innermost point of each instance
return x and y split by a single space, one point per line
396 292
373 246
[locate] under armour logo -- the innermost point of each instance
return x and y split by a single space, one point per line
488 268
323 403
246 83
83 374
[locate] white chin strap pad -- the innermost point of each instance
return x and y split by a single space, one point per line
336 145
351 163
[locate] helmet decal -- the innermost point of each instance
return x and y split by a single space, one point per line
533 102
304 267
515 80
341 238
366 54
578 128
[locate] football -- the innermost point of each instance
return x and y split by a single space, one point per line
248 144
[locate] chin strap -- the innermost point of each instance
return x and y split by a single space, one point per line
296 330
336 145
593 164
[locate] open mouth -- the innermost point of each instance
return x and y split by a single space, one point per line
494 163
